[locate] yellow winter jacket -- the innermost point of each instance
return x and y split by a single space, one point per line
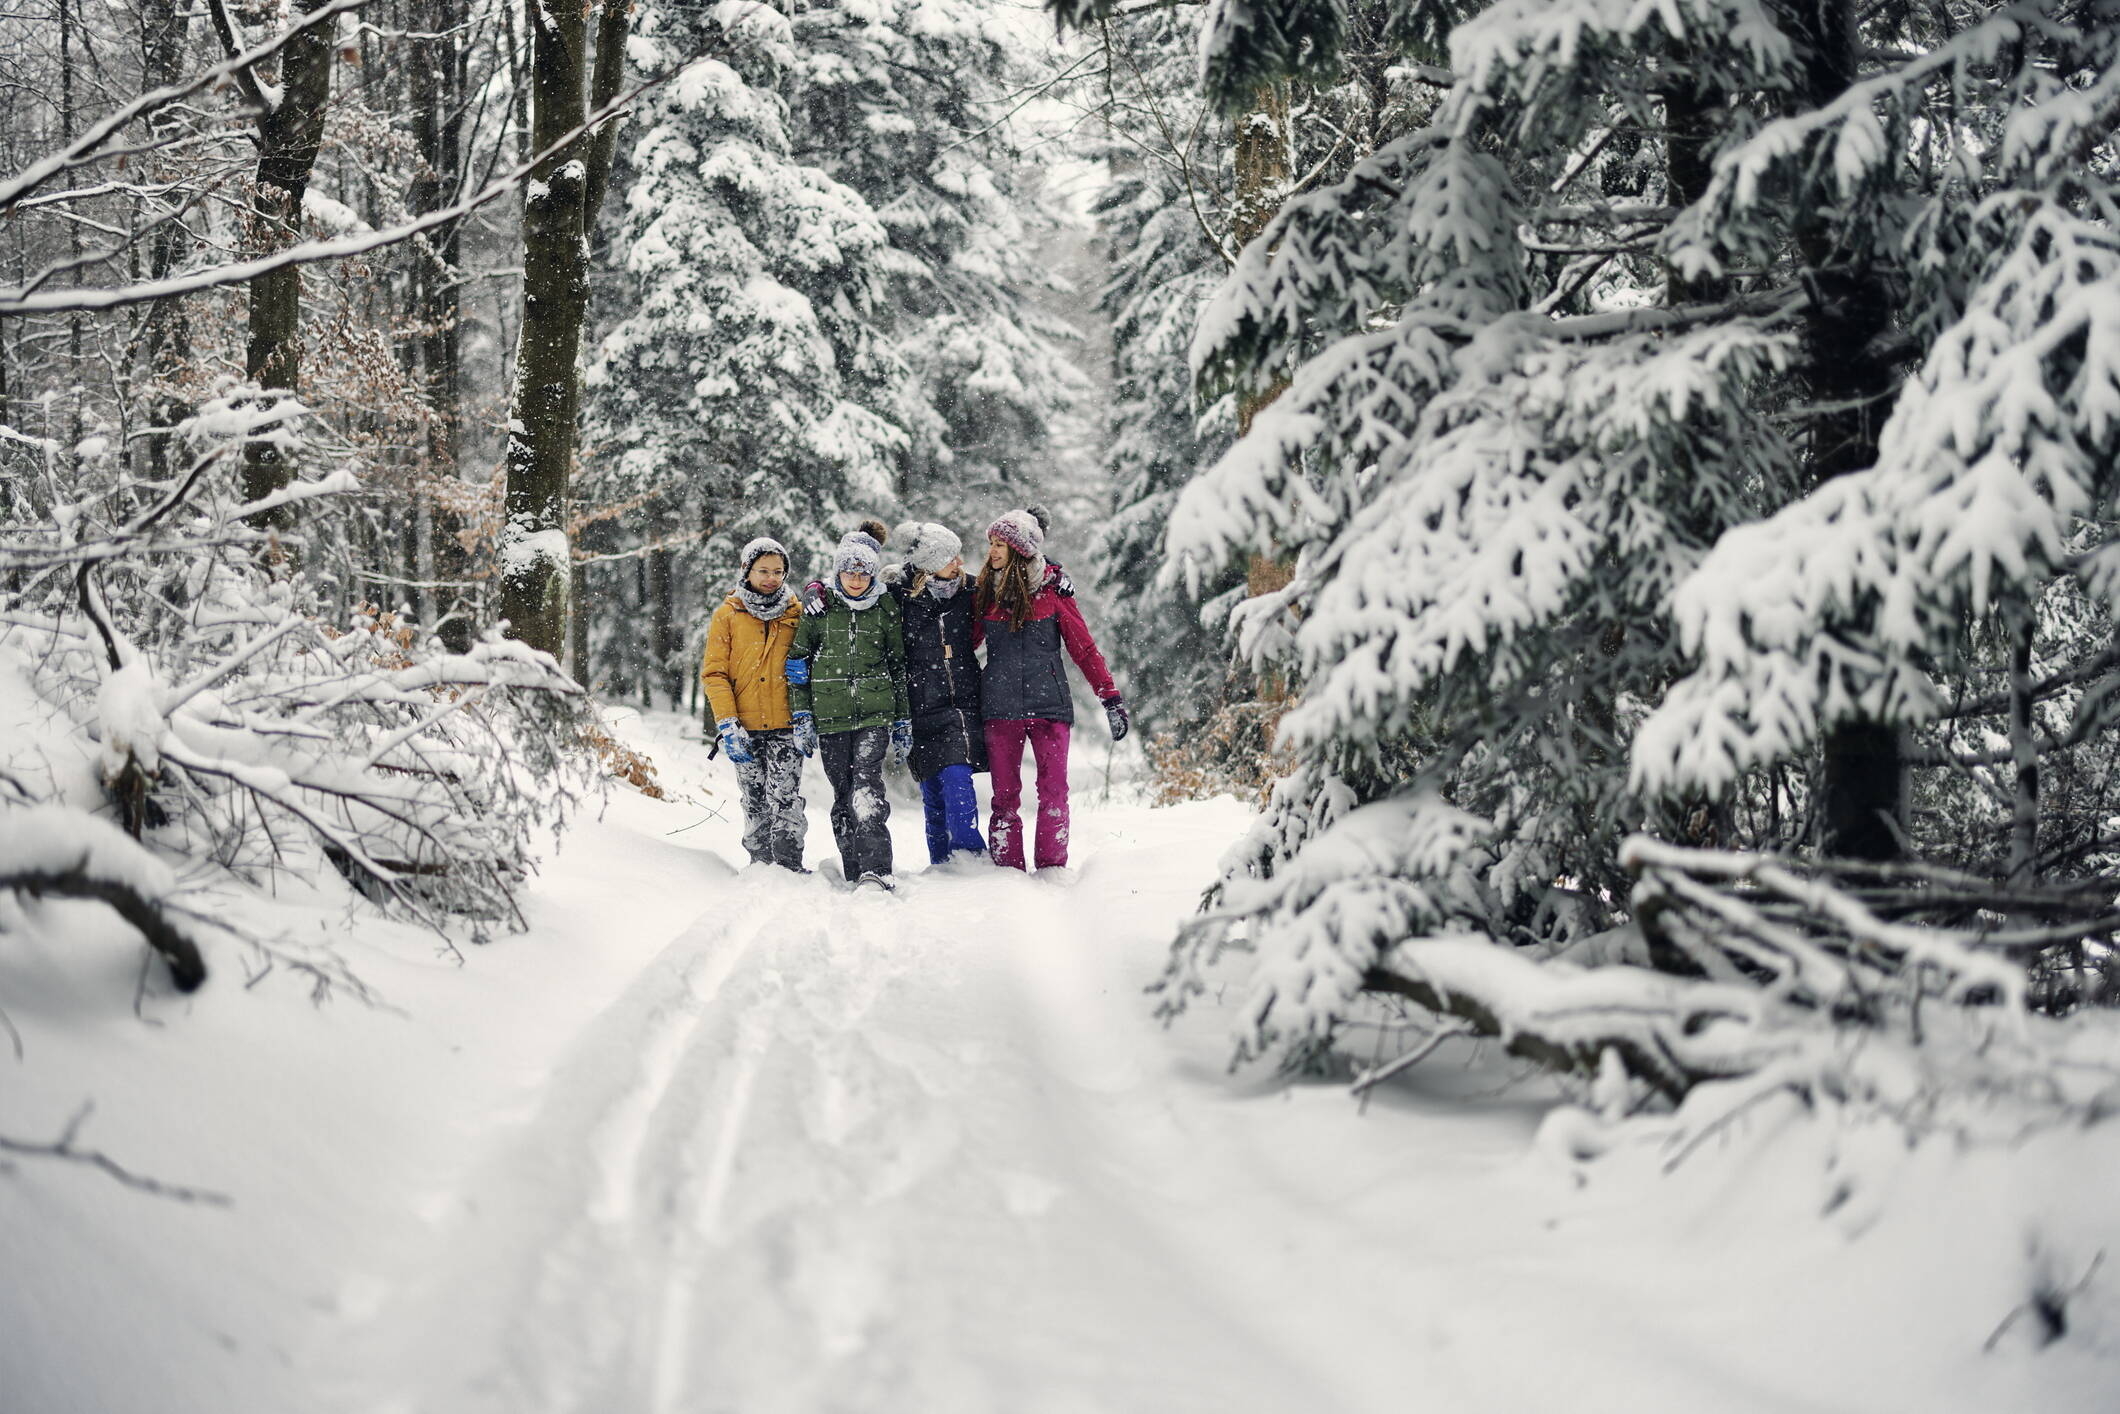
743 669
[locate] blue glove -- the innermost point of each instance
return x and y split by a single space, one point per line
806 733
735 741
901 740
1115 715
797 672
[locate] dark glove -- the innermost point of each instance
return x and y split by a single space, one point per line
1115 713
901 740
735 740
806 733
797 672
813 600
1059 583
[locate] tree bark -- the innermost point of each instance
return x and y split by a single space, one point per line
1863 795
165 345
290 131
1263 172
437 79
147 915
558 220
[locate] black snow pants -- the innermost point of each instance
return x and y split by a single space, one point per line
773 822
861 812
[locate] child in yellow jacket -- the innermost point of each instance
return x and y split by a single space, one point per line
744 674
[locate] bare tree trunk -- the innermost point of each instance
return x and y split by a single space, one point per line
2023 623
290 130
662 623
558 217
438 77
166 338
1263 172
1863 797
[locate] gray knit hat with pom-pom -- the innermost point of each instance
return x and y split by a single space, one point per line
927 546
857 554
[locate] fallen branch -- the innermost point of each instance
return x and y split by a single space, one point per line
1666 1031
48 851
64 1148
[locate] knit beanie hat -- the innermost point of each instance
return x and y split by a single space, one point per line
858 554
928 546
763 545
871 533
1022 531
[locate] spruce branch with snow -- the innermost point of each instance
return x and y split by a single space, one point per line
1602 369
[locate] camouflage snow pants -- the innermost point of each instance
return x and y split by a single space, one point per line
773 820
861 812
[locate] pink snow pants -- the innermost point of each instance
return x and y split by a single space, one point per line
1004 750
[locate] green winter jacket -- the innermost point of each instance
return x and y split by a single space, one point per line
857 666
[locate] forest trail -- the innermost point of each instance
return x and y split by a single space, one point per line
710 1141
838 1150
932 1152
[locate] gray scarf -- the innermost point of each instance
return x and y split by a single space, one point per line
868 600
945 588
768 607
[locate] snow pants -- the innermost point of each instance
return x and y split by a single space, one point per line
861 812
1004 750
771 785
952 806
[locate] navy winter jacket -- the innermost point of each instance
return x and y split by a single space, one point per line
942 679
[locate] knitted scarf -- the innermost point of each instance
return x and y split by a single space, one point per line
868 600
945 588
768 607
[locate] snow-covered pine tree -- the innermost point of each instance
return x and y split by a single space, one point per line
1161 225
750 385
829 248
1510 430
1169 223
1619 298
1963 588
909 105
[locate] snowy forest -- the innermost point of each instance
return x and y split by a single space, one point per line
1593 879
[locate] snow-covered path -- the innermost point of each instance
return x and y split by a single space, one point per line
716 1141
838 1151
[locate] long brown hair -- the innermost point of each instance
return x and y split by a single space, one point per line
1010 587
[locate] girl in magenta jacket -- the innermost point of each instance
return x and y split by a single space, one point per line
1025 614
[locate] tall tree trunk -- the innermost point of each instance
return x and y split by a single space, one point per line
438 78
558 218
165 345
1263 172
290 131
662 623
1863 796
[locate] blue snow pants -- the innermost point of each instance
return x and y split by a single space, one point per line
952 807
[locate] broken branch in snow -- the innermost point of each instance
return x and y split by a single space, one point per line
1669 1032
66 1148
53 852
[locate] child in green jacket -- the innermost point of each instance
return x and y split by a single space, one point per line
846 684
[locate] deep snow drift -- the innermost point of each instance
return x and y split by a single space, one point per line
713 1140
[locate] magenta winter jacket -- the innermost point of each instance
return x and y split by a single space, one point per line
1024 677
